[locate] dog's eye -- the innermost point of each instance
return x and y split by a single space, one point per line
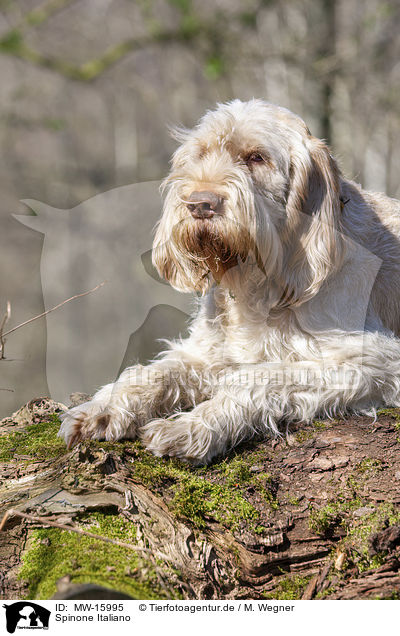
255 157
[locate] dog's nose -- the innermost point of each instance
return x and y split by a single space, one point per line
203 205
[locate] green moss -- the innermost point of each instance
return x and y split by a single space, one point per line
55 124
38 441
237 473
190 26
153 471
197 499
353 483
34 18
290 588
260 529
248 19
369 464
310 431
321 425
359 532
55 553
193 495
393 413
313 428
12 42
198 494
305 436
349 498
358 529
214 67
44 12
183 5
394 596
118 447
323 519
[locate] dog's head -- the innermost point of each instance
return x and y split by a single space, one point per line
250 189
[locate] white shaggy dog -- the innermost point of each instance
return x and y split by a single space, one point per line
298 271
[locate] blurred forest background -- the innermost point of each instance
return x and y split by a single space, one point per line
88 88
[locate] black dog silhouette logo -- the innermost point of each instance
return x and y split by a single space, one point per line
26 615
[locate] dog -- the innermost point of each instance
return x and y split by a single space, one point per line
297 278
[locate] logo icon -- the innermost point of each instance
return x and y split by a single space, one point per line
26 615
83 247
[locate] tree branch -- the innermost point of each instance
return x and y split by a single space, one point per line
54 308
54 524
5 319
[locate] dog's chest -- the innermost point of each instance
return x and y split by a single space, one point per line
250 335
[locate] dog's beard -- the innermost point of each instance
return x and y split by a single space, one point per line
219 247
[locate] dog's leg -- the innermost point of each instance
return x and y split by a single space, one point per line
363 374
208 430
178 381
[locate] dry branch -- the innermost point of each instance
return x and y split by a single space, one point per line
61 526
4 320
26 322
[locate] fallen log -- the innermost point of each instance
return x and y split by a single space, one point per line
312 515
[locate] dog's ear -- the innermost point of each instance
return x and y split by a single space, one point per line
314 243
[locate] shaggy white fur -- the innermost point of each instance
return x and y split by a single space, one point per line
298 273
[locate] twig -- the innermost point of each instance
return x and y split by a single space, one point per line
54 524
4 320
54 308
310 590
315 584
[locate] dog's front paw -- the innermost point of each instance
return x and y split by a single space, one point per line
181 437
94 420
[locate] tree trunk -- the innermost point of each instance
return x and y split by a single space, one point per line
311 515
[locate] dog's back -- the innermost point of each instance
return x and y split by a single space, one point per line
372 220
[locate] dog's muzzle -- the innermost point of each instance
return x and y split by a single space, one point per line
205 204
